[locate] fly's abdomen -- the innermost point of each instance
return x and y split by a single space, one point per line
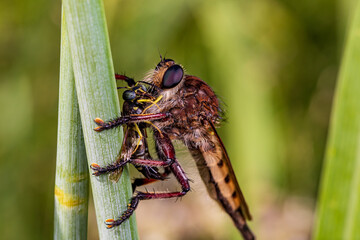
218 178
217 173
224 182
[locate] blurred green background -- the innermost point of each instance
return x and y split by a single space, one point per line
273 64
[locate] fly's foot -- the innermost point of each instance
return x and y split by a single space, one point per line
110 223
103 170
100 124
97 169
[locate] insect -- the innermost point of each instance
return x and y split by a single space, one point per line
183 107
135 99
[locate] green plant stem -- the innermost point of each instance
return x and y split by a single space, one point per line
72 177
97 96
338 214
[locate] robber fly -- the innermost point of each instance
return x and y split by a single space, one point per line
186 109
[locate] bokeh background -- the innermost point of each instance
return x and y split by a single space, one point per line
273 64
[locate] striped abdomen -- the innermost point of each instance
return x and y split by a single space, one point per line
217 173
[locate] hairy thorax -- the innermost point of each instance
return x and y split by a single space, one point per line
192 107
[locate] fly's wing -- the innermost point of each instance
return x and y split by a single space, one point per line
202 105
218 175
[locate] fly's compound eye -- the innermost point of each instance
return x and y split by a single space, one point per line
129 95
172 76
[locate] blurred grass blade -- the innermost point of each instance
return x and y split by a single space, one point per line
338 214
97 96
72 178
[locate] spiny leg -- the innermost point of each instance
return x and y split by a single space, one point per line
129 81
131 131
134 203
148 167
108 169
167 152
143 160
133 118
137 162
151 175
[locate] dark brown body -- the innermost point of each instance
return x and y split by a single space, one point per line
194 110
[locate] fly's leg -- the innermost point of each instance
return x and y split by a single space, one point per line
150 178
140 158
120 162
167 152
113 166
145 161
137 162
128 80
133 118
108 169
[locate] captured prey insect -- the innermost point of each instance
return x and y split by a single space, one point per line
135 100
182 107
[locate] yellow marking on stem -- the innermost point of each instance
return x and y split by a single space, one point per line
66 199
78 177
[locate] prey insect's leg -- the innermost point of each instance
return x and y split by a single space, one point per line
133 118
137 129
167 152
152 102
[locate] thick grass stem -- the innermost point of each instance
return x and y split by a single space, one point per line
97 97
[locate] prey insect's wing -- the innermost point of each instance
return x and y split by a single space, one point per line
115 176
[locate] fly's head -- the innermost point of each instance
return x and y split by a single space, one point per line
168 77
